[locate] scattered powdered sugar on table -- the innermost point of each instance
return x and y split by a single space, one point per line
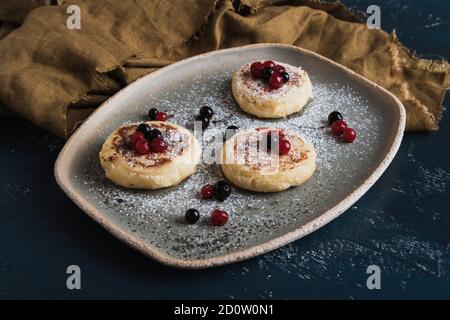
158 216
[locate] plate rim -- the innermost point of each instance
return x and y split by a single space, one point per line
135 242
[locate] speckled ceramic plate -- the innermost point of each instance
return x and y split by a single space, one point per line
152 221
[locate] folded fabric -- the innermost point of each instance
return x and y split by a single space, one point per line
56 77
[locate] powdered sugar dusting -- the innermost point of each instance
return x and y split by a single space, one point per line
157 216
119 146
262 91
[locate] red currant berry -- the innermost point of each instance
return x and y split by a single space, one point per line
285 147
136 136
276 81
338 127
269 64
161 116
207 191
158 145
278 68
349 135
219 218
142 147
256 69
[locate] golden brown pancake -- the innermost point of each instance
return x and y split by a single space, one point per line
127 168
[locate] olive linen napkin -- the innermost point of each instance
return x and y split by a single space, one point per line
56 77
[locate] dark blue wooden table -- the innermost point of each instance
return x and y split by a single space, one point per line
402 224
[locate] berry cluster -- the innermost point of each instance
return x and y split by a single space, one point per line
339 127
205 116
155 115
221 190
218 217
145 140
277 138
274 75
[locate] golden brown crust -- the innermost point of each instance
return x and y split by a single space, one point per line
259 87
177 144
257 98
252 167
257 160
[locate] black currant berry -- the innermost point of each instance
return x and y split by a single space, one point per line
285 76
230 131
205 121
155 133
222 190
206 112
266 73
152 113
192 216
273 141
145 129
334 116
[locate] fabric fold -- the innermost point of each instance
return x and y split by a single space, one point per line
55 76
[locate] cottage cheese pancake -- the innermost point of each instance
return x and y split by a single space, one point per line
249 165
146 164
271 94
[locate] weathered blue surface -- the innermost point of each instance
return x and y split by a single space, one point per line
402 224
